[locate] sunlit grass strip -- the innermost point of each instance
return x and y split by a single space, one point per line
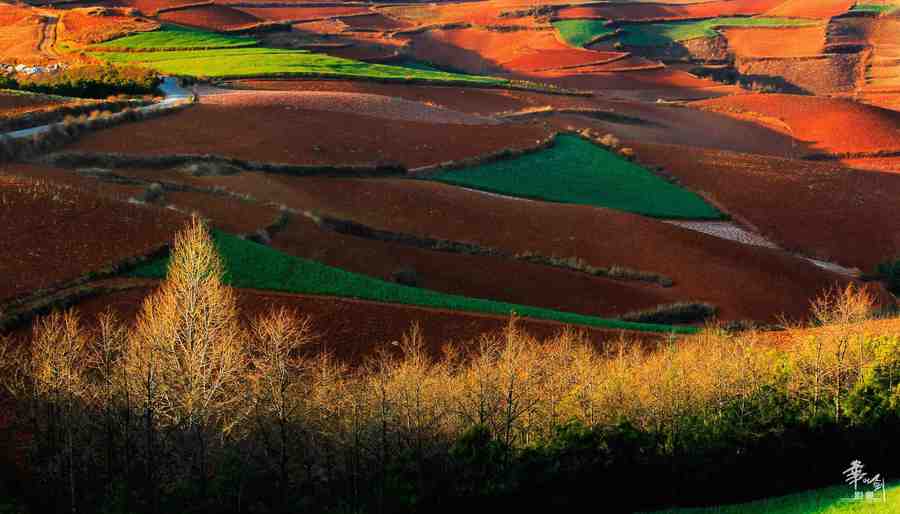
257 62
189 52
831 500
576 171
874 8
579 32
174 37
253 266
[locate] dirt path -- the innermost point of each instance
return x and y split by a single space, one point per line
47 43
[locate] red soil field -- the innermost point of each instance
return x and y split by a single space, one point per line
821 209
676 125
147 7
301 13
483 51
353 330
22 34
269 133
886 164
655 123
646 85
363 49
228 214
828 125
481 101
477 13
669 10
213 17
14 105
70 178
812 8
375 21
95 25
54 234
493 278
378 106
781 42
737 278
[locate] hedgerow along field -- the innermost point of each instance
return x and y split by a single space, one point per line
198 53
831 500
576 171
579 32
252 266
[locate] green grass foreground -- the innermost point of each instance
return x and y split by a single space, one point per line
253 266
579 172
830 500
207 54
579 32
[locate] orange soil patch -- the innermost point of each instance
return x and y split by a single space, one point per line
96 25
821 209
887 164
483 51
214 17
300 13
269 133
147 7
782 42
737 278
23 31
52 234
812 8
321 27
669 11
477 13
828 125
352 330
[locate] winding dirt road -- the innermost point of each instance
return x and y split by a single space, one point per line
47 42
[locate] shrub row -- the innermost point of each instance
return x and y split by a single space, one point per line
92 81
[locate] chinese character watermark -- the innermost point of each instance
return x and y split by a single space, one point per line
865 488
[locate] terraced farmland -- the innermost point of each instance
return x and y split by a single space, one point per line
456 256
253 266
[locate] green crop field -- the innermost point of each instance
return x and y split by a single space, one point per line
874 8
581 32
577 171
230 56
577 32
253 266
830 500
173 36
